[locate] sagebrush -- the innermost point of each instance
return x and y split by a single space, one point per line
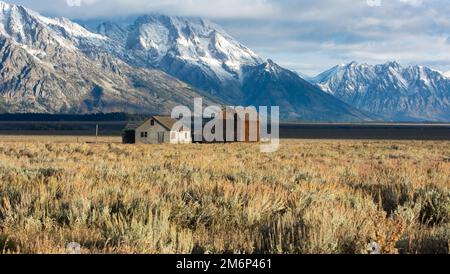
309 197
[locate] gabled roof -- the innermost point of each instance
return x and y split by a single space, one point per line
165 121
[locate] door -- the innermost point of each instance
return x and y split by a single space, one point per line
160 137
129 137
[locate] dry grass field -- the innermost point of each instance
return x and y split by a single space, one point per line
309 197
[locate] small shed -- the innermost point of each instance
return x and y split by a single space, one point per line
156 130
129 133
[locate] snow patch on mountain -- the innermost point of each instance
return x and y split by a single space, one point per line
67 28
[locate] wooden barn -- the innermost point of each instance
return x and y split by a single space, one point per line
156 130
250 131
250 128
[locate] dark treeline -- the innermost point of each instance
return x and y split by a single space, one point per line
113 123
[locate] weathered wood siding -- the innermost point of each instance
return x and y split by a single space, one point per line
158 134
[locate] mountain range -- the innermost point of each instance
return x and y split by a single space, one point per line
413 93
203 55
54 65
154 62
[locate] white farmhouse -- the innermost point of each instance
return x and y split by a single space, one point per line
156 130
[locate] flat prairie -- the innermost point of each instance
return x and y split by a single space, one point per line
311 196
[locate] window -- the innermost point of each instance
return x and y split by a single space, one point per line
152 122
185 135
144 134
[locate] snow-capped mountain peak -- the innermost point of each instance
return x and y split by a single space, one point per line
27 27
192 49
447 74
271 67
392 64
193 40
391 90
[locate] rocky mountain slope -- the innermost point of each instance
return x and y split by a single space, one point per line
413 93
56 66
269 84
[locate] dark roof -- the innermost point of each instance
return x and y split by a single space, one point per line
133 125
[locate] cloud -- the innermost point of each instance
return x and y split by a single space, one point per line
78 3
307 35
374 3
412 2
104 8
73 3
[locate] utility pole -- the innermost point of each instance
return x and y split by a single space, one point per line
96 134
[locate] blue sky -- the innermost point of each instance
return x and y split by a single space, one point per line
308 36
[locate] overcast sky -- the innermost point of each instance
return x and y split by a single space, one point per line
308 36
